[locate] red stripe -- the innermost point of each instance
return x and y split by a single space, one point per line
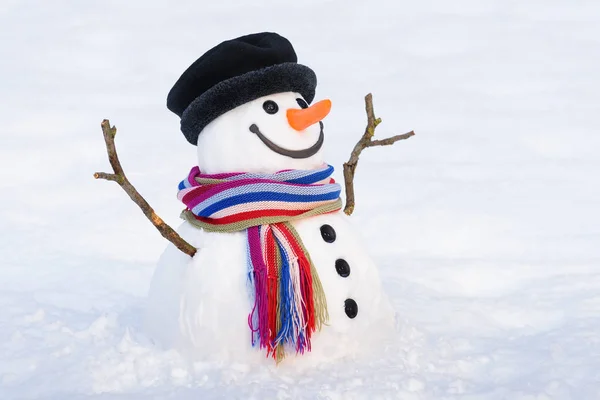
230 219
272 279
198 190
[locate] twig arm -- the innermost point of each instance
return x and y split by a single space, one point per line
108 177
391 140
365 141
119 176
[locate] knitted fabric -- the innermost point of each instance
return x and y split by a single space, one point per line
288 300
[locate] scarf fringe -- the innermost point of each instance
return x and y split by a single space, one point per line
289 301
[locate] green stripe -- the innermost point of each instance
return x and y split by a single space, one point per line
320 301
209 181
279 351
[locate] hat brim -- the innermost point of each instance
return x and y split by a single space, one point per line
233 92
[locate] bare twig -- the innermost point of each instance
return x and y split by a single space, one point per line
390 140
365 141
119 176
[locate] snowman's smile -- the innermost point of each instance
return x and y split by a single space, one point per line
304 153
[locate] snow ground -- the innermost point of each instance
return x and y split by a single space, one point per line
485 225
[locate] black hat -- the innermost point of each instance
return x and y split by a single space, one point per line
233 73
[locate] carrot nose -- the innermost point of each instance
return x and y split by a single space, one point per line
303 118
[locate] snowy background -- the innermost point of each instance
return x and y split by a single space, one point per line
486 225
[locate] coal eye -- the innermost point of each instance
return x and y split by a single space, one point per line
302 103
270 107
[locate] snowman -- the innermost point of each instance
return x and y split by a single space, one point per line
279 272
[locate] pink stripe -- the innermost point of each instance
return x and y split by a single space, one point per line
260 290
195 171
195 192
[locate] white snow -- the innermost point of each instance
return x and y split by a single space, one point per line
484 225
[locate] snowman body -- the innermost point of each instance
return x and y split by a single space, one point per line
201 305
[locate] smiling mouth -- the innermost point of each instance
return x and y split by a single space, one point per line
305 153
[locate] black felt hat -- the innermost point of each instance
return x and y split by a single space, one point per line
233 73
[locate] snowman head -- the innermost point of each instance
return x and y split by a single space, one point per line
266 135
245 104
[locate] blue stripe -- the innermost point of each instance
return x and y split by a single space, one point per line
314 177
286 331
261 196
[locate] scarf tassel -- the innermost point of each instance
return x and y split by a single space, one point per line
288 297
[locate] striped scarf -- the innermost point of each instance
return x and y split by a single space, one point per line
288 299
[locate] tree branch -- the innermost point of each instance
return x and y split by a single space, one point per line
365 141
108 177
391 140
119 176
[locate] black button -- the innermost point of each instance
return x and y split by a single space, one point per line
342 267
328 233
351 308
